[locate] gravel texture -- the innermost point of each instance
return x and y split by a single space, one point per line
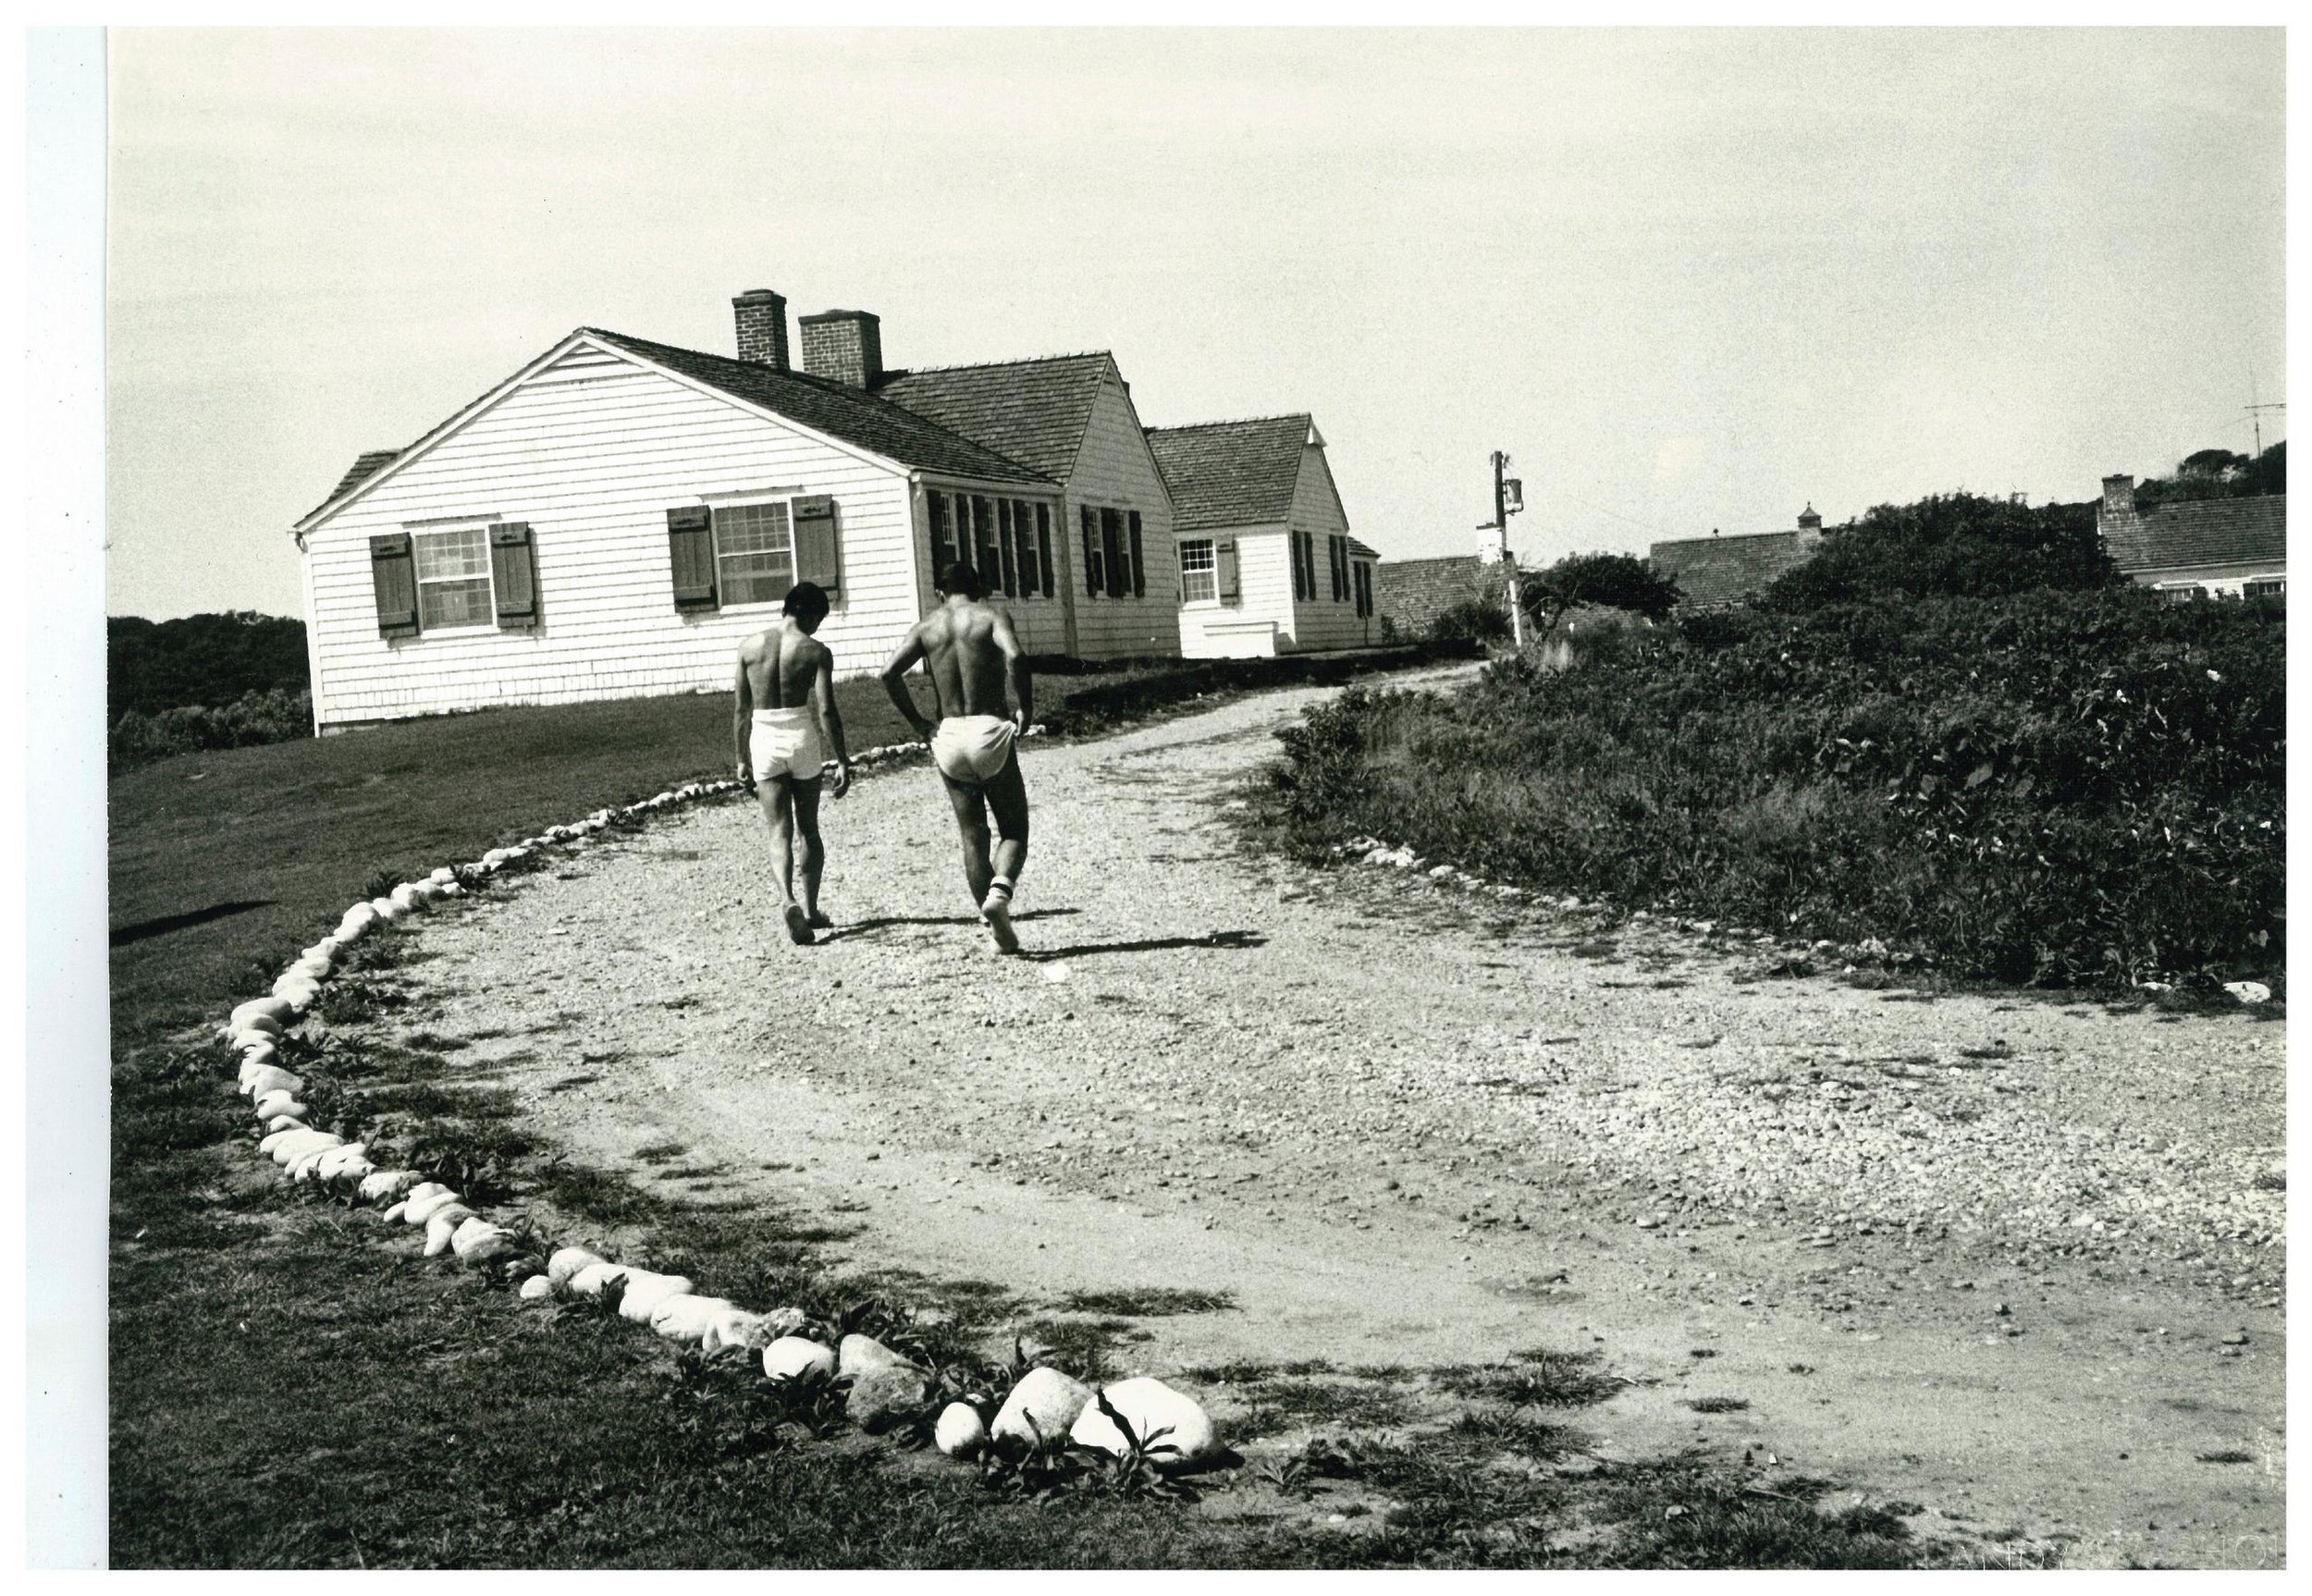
1395 1118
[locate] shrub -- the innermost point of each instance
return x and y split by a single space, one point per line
2053 786
1471 620
276 716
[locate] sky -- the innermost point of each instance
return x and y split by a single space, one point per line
1689 279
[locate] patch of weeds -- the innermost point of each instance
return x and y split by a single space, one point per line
1244 1373
350 999
481 1162
2271 1181
1701 1352
1538 1377
1145 1302
1801 1368
1681 1514
571 1083
2229 1456
1717 1404
431 1041
1517 1435
660 1153
1286 1404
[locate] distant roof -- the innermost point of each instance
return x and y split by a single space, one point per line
1396 566
1711 571
1033 410
1231 472
872 423
2200 531
1361 552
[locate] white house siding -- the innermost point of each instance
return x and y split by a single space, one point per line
2227 581
1253 625
592 452
1321 622
1113 469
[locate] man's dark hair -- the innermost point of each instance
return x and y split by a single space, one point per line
806 601
957 576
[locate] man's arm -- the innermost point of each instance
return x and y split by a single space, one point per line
742 715
896 683
830 719
1015 671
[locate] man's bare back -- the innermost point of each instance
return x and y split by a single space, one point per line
782 667
965 659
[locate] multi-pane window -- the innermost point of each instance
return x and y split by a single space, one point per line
753 553
2270 587
1008 541
453 577
1200 572
2186 593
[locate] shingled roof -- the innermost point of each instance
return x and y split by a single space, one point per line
1231 472
1713 570
1033 410
873 422
2199 531
368 465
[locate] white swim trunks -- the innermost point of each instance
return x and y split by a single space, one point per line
785 742
972 748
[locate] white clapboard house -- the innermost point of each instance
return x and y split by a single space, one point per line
1267 565
616 517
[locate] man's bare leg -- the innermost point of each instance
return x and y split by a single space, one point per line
1007 798
814 850
971 823
778 796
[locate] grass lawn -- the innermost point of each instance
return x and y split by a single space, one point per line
291 1386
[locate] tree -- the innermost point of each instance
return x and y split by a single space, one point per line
1613 581
2217 473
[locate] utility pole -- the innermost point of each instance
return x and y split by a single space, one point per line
1509 500
2256 412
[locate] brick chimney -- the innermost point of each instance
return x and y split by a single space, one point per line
843 347
2119 495
1809 526
762 318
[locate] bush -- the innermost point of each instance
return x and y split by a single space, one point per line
2055 786
254 718
1471 620
199 660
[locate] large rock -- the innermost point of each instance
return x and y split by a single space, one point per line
860 1353
594 1279
686 1315
567 1261
790 1357
1040 1410
735 1327
1148 1407
381 1184
536 1288
961 1432
479 1240
442 1227
256 1080
886 1392
646 1289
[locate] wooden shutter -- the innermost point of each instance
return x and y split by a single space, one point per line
690 539
1293 540
514 575
1043 549
1024 546
1139 571
1009 569
943 534
817 550
1224 572
393 575
1093 571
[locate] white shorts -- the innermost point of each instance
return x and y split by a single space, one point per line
785 742
972 749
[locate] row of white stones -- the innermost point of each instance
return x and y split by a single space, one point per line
1044 1404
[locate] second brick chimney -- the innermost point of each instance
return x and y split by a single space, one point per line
843 347
762 318
1809 526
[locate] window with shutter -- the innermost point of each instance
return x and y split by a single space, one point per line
984 557
1339 546
1023 541
1113 552
817 544
1225 560
514 575
691 552
394 584
1292 541
1043 551
453 577
943 534
1140 567
753 552
1005 546
1308 562
1094 572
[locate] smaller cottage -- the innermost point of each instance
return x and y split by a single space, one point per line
1716 571
2197 548
1267 565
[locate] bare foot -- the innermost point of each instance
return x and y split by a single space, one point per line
799 926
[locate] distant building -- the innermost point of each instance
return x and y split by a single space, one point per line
2197 548
1267 565
1714 571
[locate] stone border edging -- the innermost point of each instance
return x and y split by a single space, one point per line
1129 1419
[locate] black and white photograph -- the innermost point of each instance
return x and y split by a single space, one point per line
1262 797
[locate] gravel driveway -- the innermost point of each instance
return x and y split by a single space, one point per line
2005 1239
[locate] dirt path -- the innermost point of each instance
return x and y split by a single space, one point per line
1400 1124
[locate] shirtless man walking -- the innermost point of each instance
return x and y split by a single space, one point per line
783 703
971 658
